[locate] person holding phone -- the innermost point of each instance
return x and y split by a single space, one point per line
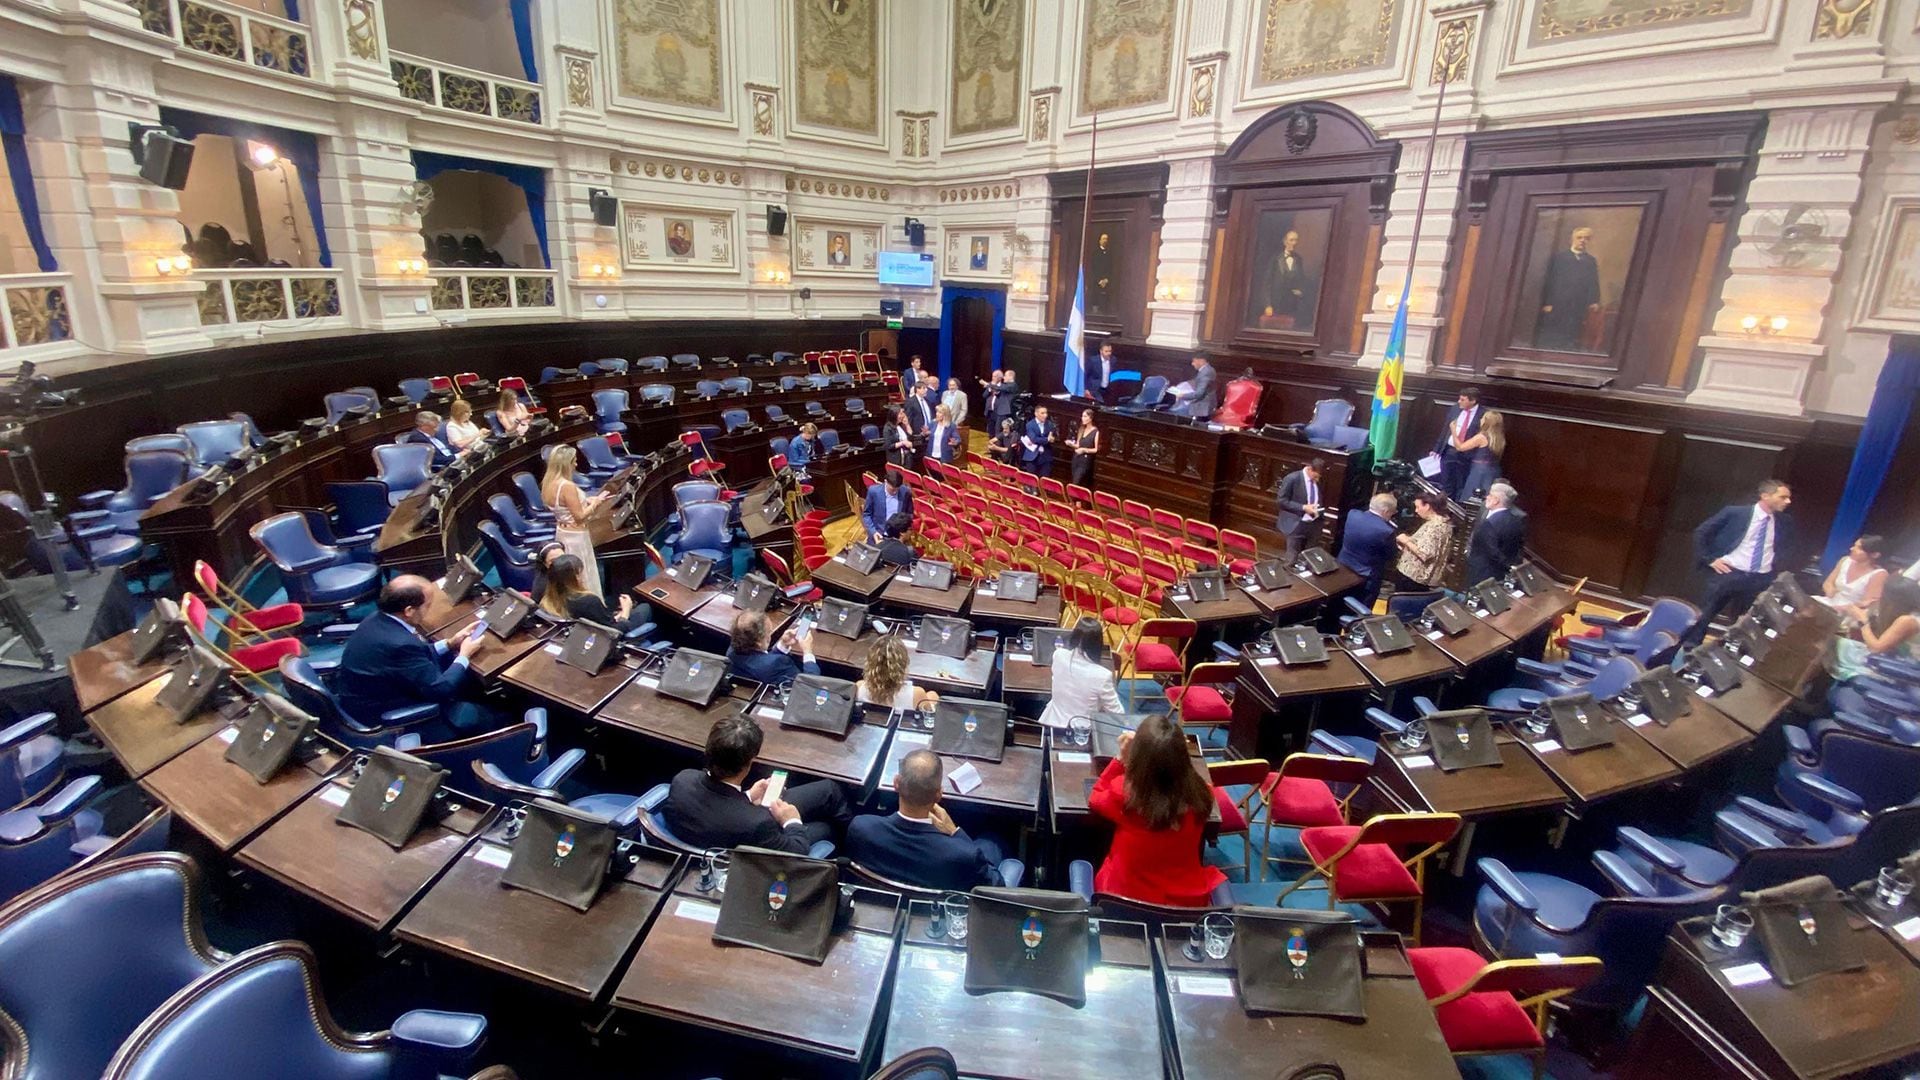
751 655
567 598
710 808
389 663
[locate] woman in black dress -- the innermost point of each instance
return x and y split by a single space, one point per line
1086 444
567 598
897 437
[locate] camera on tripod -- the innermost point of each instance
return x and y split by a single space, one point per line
30 393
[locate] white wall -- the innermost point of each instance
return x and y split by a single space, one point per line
489 206
16 252
471 33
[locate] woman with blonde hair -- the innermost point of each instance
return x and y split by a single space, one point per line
1483 450
513 416
566 597
462 432
884 679
570 510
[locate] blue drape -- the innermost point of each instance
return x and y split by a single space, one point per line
523 33
949 295
293 10
13 140
1879 439
299 147
527 178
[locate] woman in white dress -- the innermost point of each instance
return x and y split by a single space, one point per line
1857 578
462 432
570 510
1082 685
884 680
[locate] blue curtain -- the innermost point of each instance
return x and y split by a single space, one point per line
523 33
13 140
527 178
949 295
293 10
300 147
1879 439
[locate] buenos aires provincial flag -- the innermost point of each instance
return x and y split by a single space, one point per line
1384 430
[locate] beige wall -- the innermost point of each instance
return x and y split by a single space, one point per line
212 194
16 253
490 206
471 33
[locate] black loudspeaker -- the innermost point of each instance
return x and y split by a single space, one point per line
606 208
163 156
916 233
776 221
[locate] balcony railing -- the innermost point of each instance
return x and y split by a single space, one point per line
256 296
37 311
231 33
446 86
489 289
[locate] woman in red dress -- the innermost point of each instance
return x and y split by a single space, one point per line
1158 805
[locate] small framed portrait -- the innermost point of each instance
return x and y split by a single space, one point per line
680 237
839 248
977 248
1578 272
1289 264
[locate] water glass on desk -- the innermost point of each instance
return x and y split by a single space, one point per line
1892 888
955 907
1080 730
1731 925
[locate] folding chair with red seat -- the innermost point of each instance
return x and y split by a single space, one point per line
439 384
1234 817
1059 541
1108 504
704 465
1198 556
1300 795
244 620
1362 864
1169 524
1081 497
1159 652
1127 574
1241 550
1203 532
1205 698
466 378
1154 544
1054 491
250 660
783 575
1120 532
1088 554
1089 523
869 362
518 385
1138 513
1496 1007
1161 575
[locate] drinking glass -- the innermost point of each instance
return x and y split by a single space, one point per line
1080 730
1413 735
1731 925
1893 887
956 906
1218 930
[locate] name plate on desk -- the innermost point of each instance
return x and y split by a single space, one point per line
1204 985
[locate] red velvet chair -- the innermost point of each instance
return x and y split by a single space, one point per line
803 591
1499 1007
1235 820
1159 652
1239 404
1362 864
1300 795
1241 550
250 660
1204 699
244 620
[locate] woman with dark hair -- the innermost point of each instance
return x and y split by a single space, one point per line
567 598
1082 684
1158 805
543 558
897 437
1858 578
1423 552
1086 447
1886 629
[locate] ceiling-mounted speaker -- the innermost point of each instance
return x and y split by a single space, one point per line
776 221
606 208
916 233
163 156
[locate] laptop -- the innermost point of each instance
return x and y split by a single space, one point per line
1205 585
1272 574
162 626
1045 640
942 636
1319 562
841 618
1461 739
505 612
1022 585
1300 645
863 557
970 728
693 676
1579 722
461 577
1450 617
932 574
1663 695
691 570
588 646
754 593
1492 596
1531 579
819 703
1386 634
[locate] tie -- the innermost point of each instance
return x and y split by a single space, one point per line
1460 427
1760 544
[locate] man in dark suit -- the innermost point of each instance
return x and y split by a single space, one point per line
888 497
923 403
1463 423
1036 444
709 809
1099 372
426 429
1499 539
1201 396
894 550
389 663
1570 293
1290 285
1367 546
999 391
1741 548
751 655
1299 499
920 845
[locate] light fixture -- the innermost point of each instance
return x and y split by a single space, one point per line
776 276
410 266
602 270
1023 286
262 155
1167 292
1750 323
1765 326
167 266
1778 324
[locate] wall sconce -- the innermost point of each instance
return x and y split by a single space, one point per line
602 270
1767 327
410 266
168 266
776 276
1023 287
1167 292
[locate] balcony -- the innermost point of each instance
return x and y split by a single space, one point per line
236 297
37 312
445 86
492 290
231 33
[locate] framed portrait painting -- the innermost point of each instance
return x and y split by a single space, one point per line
1578 269
1289 264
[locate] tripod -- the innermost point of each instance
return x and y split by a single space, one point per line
40 515
21 626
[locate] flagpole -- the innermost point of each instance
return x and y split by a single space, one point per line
1426 178
1086 209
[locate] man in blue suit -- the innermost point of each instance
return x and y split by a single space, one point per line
920 845
1463 423
751 655
426 429
1367 547
885 499
389 662
1036 445
1741 548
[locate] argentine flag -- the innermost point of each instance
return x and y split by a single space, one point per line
1074 378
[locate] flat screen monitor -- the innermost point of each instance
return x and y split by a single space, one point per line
911 268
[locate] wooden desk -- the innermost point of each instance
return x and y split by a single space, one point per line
495 655
830 474
1278 681
1236 607
354 872
1422 662
849 759
667 594
541 673
1479 642
1518 783
951 601
143 736
640 707
1275 706
1754 704
971 676
1281 604
470 915
844 656
1602 771
1009 1035
1014 614
1337 582
103 672
1020 675
1702 735
839 579
222 801
1011 784
1530 614
827 1009
1211 1036
1841 1024
1070 777
718 613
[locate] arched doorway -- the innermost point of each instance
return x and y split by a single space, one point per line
971 321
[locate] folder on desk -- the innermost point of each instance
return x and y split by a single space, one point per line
1298 962
1531 579
269 733
863 557
1450 617
561 854
393 793
461 577
1319 562
1461 739
1300 645
692 570
1715 666
196 677
1046 639
1021 585
1663 695
163 626
1386 634
1206 585
505 612
841 618
754 593
943 636
819 703
1491 596
970 728
1579 722
588 645
1272 574
693 676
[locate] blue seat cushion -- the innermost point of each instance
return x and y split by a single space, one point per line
606 806
38 762
334 583
1564 906
716 554
1509 697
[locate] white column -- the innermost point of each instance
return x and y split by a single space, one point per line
1027 298
369 167
1176 312
1444 198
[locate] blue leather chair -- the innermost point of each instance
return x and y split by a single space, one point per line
870 433
704 531
781 356
37 840
609 408
532 506
789 382
778 445
656 394
1636 637
512 563
526 784
88 537
829 438
706 388
1010 873
614 364
1552 681
818 381
650 363
597 454
736 384
1153 391
1329 415
590 368
309 692
856 407
1520 915
360 507
816 411
1676 866
735 419
686 360
1348 439
839 378
215 442
693 491
654 824
86 958
259 1015
402 467
32 759
358 546
521 531
1846 776
254 435
517 750
339 403
174 441
150 475
315 574
417 390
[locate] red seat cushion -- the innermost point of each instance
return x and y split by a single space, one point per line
1368 872
1122 616
1240 566
1200 705
1129 583
1301 802
276 616
1474 1023
1155 657
265 656
1231 819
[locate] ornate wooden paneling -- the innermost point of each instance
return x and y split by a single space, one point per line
1127 206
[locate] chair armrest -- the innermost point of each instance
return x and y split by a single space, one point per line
69 800
538 718
1840 798
798 589
412 714
1589 648
1225 651
95 532
31 728
1650 849
1863 725
1332 744
87 517
1424 705
1012 873
1592 619
1359 609
563 767
1508 886
639 633
1578 668
1080 878
324 668
1895 668
1385 721
1787 821
822 849
490 774
1625 880
94 499
1799 743
408 741
338 631
1537 669
1746 829
1530 699
307 566
655 797
355 540
440 1034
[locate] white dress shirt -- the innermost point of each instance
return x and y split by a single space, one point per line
1760 531
1465 421
1080 688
